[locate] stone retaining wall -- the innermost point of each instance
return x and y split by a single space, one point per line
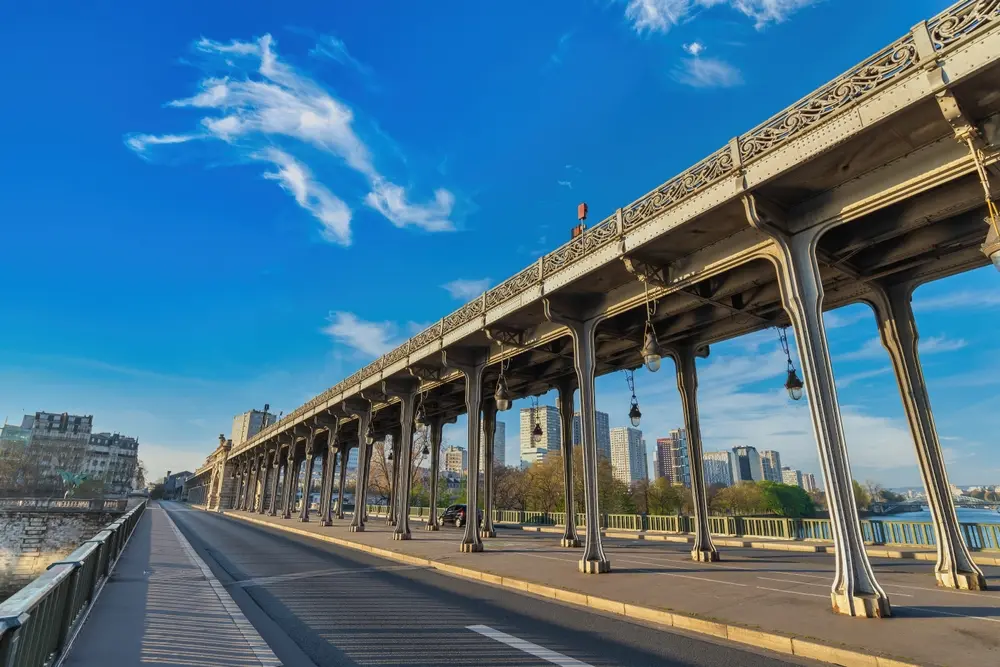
30 539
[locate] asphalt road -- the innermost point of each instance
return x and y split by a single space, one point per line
320 604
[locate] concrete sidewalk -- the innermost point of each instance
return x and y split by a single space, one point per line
163 606
773 599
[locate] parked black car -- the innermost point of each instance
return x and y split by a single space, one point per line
456 515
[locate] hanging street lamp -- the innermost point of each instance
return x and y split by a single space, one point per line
370 435
502 396
536 428
634 415
991 246
793 385
420 415
651 356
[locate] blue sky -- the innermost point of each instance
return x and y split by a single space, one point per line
217 206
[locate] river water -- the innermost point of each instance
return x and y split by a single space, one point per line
965 515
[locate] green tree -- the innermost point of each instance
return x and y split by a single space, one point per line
785 500
861 496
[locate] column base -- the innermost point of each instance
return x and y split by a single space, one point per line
472 547
965 581
595 566
356 529
304 519
705 555
571 542
487 533
271 513
861 606
326 522
402 536
432 526
340 516
390 522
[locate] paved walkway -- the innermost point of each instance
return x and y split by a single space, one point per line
772 591
163 606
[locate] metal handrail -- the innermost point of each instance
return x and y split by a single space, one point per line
38 622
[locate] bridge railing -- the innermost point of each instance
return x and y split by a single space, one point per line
876 532
39 621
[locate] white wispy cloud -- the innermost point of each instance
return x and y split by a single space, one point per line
662 15
837 320
295 178
872 349
559 54
694 48
957 300
936 344
707 73
372 339
465 289
565 184
329 46
847 380
263 103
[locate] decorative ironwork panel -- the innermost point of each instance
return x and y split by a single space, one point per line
887 64
396 354
463 315
584 244
678 188
511 287
960 20
426 336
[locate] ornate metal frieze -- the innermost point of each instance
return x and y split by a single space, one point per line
463 315
511 287
395 355
843 92
678 188
584 244
426 336
960 20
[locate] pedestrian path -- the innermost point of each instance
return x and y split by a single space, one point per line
778 600
163 606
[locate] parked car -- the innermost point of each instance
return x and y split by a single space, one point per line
456 514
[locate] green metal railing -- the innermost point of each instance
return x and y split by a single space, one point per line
876 532
38 622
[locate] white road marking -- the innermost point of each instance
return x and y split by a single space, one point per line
264 581
809 583
261 650
526 646
951 613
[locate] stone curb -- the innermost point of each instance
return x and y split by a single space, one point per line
757 638
791 545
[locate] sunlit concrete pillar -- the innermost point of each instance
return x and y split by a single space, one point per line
566 386
703 550
898 330
275 478
238 477
855 591
248 496
583 332
489 432
471 363
310 464
362 409
406 391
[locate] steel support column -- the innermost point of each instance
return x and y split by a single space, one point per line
489 432
363 410
583 332
855 591
394 468
471 363
276 476
345 453
265 481
329 474
406 392
291 482
566 386
436 426
310 456
703 550
955 567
